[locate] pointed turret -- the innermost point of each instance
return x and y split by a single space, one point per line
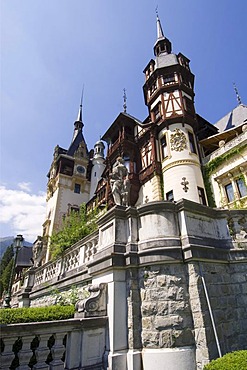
78 123
78 139
162 45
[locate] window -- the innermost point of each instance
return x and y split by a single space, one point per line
126 158
241 187
156 112
169 79
192 142
169 196
188 105
146 155
153 88
229 192
202 197
163 144
77 188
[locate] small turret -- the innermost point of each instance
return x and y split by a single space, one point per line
98 166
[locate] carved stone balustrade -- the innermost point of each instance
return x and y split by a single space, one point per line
34 345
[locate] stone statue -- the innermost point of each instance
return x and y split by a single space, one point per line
38 252
120 184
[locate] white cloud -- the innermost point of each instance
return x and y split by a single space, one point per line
22 212
26 186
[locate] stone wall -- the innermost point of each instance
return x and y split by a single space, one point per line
167 308
159 261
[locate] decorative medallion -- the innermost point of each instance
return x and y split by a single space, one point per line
178 140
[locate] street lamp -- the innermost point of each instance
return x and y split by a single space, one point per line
18 242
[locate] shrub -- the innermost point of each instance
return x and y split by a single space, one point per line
36 314
231 361
76 226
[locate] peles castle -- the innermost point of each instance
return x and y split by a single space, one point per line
169 255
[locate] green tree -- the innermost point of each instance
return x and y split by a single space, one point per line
6 275
75 227
8 255
5 269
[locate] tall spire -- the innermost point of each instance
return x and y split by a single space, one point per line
78 125
160 33
236 91
162 44
79 117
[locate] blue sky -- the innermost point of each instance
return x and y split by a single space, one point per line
50 49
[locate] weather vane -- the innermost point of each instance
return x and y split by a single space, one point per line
82 93
125 100
236 91
156 11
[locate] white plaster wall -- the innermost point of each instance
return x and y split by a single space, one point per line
97 170
173 177
179 164
146 193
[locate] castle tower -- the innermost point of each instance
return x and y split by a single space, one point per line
169 96
68 186
98 166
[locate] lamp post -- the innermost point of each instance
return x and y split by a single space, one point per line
18 242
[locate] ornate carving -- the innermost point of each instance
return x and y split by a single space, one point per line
120 184
185 183
95 305
81 151
178 140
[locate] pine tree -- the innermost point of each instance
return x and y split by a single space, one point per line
5 269
8 255
6 275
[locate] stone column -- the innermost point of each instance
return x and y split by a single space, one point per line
197 311
41 353
108 267
7 356
73 349
25 353
57 352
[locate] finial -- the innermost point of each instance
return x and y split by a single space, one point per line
156 11
236 91
125 100
82 93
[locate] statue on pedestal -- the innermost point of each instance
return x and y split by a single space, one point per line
120 184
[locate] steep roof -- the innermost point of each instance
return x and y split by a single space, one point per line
233 119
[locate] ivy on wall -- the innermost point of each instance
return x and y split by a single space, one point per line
75 227
213 165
